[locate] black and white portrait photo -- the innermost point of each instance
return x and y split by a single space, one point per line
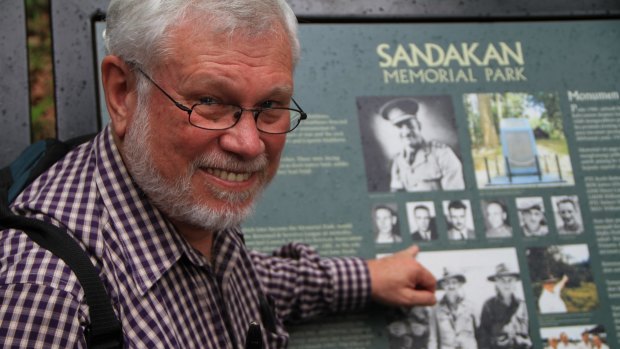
532 216
459 219
410 143
422 220
496 219
386 223
567 214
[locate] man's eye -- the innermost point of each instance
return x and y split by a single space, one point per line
208 100
269 104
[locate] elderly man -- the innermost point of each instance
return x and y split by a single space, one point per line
567 209
421 165
497 220
504 319
454 323
200 98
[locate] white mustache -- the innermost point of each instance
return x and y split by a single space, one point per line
231 163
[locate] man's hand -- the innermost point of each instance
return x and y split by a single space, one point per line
400 280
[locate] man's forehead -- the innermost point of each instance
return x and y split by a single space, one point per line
202 37
383 210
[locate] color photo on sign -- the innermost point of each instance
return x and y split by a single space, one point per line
561 279
518 140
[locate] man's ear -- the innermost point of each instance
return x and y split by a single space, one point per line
119 86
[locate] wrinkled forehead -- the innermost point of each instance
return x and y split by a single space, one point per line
207 34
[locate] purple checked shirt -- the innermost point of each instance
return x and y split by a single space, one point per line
166 294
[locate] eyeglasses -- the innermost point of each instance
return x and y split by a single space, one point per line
212 115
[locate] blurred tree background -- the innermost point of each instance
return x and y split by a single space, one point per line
42 110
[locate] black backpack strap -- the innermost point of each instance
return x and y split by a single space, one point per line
105 330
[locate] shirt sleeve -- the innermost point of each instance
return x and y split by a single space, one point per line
38 316
303 285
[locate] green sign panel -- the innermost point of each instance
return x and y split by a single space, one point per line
493 146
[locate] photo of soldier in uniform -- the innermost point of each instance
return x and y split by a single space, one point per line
532 216
455 321
561 279
422 222
385 219
567 214
410 144
497 223
459 220
504 319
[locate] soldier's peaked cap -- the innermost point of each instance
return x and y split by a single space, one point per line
408 110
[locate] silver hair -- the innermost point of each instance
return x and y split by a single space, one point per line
138 30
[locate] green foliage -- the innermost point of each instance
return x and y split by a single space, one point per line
581 299
546 262
551 116
40 68
473 118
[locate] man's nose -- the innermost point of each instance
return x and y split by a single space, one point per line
244 139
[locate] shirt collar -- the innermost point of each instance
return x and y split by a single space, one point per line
150 243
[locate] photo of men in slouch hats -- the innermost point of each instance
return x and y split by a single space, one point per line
480 304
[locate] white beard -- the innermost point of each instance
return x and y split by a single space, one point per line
174 198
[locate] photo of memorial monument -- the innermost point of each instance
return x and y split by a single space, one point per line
561 278
518 140
410 143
